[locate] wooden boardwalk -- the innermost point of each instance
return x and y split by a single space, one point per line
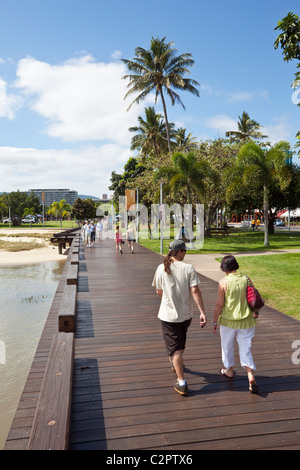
123 396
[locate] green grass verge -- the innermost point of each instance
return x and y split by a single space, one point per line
47 225
277 277
236 242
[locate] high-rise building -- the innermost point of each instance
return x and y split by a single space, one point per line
55 195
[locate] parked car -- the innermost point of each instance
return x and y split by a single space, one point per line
279 223
7 221
28 219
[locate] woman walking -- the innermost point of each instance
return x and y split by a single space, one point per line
130 234
236 320
177 284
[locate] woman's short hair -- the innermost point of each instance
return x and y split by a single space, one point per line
229 263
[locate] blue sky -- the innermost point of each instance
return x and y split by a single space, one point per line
63 120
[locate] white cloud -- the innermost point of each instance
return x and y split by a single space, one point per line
238 96
82 99
9 103
221 123
280 130
87 169
116 55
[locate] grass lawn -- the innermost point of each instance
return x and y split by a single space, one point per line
47 225
277 277
236 242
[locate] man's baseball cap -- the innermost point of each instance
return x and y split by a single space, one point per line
176 245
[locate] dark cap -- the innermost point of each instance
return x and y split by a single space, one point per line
176 245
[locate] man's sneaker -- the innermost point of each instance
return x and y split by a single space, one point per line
181 389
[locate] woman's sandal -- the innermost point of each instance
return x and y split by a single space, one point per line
253 388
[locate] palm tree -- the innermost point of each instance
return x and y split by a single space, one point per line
183 142
186 172
60 209
159 69
248 129
260 167
151 135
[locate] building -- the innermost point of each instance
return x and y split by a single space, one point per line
55 195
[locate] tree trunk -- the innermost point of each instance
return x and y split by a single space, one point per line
266 216
166 120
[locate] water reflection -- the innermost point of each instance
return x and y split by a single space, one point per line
26 294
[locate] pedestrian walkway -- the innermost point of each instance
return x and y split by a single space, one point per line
123 396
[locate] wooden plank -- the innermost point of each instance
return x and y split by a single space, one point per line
75 258
50 429
67 309
72 277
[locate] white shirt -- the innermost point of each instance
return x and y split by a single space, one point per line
177 301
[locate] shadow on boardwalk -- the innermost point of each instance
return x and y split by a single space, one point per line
123 397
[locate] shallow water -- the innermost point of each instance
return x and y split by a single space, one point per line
26 294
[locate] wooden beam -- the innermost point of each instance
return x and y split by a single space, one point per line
67 309
50 430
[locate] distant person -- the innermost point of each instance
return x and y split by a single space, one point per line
99 229
130 235
93 233
236 321
118 239
253 224
87 232
177 284
83 232
257 224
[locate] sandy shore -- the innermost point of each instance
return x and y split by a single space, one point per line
37 255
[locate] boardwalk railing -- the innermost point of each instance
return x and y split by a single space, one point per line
51 424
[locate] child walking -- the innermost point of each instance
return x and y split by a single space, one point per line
118 240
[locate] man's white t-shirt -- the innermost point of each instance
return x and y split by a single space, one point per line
177 301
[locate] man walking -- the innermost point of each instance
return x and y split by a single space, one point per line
177 284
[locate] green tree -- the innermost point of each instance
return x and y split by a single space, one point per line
132 169
289 40
220 154
83 209
18 201
60 209
183 142
160 69
248 129
260 168
186 173
151 135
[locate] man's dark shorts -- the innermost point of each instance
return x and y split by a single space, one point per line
175 335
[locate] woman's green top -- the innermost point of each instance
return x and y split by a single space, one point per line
236 313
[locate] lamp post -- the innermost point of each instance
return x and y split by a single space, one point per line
161 218
137 215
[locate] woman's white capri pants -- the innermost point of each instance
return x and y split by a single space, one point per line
244 339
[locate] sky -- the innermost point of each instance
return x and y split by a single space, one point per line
63 118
